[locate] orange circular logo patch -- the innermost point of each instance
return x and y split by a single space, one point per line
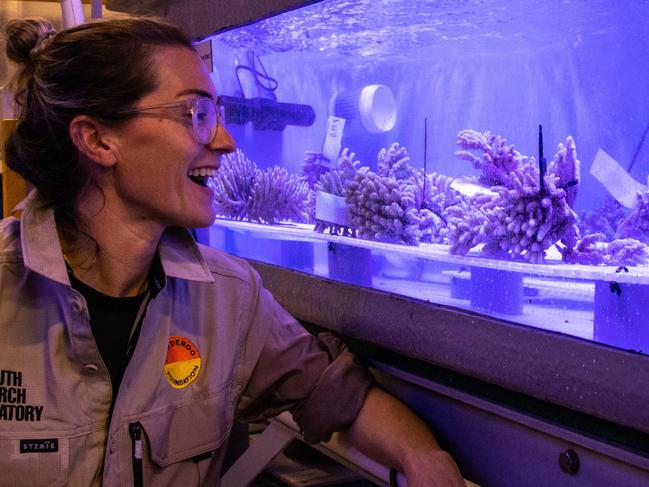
183 362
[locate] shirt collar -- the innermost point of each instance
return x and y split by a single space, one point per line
40 241
178 252
180 256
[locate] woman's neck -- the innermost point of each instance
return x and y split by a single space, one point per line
112 255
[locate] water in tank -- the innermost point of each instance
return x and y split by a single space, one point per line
489 155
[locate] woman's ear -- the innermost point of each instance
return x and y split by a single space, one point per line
93 140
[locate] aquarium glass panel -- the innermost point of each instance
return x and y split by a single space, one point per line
490 155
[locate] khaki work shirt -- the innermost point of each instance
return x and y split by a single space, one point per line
214 345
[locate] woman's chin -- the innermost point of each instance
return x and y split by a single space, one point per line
200 219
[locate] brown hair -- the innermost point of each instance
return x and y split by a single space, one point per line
98 69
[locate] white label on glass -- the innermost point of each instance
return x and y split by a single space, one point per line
333 140
615 179
204 50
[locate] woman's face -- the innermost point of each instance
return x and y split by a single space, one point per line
156 153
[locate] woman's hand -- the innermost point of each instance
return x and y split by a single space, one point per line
435 468
386 430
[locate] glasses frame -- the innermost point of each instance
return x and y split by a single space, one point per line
190 104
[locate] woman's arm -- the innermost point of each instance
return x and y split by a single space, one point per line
390 433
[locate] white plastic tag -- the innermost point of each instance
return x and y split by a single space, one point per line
204 50
333 140
615 179
469 188
331 208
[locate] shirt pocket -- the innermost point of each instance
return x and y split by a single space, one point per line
177 443
34 462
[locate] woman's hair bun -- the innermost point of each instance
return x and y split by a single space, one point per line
24 36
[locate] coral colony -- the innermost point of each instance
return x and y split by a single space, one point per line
519 210
382 206
602 220
518 215
277 196
233 184
636 224
245 192
334 182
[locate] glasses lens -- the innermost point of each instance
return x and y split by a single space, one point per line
205 119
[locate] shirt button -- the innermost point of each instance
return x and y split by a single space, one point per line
77 306
90 369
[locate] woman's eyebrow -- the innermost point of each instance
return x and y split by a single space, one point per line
195 91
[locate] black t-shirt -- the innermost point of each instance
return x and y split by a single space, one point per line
111 320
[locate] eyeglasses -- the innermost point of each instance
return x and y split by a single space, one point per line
206 115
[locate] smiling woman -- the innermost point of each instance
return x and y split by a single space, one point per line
133 346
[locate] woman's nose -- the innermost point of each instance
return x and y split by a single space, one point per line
222 141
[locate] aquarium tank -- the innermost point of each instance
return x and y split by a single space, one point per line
487 155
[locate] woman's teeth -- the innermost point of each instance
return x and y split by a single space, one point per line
203 171
200 175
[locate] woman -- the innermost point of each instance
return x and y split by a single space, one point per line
127 349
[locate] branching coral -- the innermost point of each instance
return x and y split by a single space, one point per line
348 165
244 192
429 194
498 159
278 195
432 227
233 185
594 250
381 210
313 168
604 220
433 196
399 203
435 192
333 182
394 162
520 218
566 167
467 224
526 224
636 224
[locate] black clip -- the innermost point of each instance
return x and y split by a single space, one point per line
393 478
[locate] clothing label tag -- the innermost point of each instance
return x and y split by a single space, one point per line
333 140
183 363
615 179
50 445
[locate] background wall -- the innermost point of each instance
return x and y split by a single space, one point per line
10 9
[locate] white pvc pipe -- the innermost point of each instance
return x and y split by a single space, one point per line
72 13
